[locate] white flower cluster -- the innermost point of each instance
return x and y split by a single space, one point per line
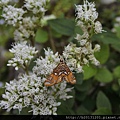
13 15
77 56
36 6
22 55
29 90
26 29
87 14
44 66
72 55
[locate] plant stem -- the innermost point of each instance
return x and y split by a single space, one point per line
32 41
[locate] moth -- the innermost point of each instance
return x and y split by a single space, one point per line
60 72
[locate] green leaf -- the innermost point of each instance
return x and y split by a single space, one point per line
118 31
55 34
102 111
103 101
89 71
41 36
79 78
103 55
85 86
80 96
108 38
104 75
82 111
63 26
78 30
116 47
90 102
115 86
119 82
116 72
63 110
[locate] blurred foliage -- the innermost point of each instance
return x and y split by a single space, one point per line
97 91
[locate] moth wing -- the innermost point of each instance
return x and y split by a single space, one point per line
70 78
60 78
51 80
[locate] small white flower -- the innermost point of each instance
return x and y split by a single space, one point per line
18 106
83 42
98 27
27 101
85 61
97 48
94 60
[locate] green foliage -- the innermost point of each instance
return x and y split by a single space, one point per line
62 26
103 105
116 72
85 86
79 78
103 101
102 111
82 111
103 54
104 75
108 38
117 31
89 71
41 36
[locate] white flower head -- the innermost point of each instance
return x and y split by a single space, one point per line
22 54
36 6
13 15
86 12
25 29
45 66
72 55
